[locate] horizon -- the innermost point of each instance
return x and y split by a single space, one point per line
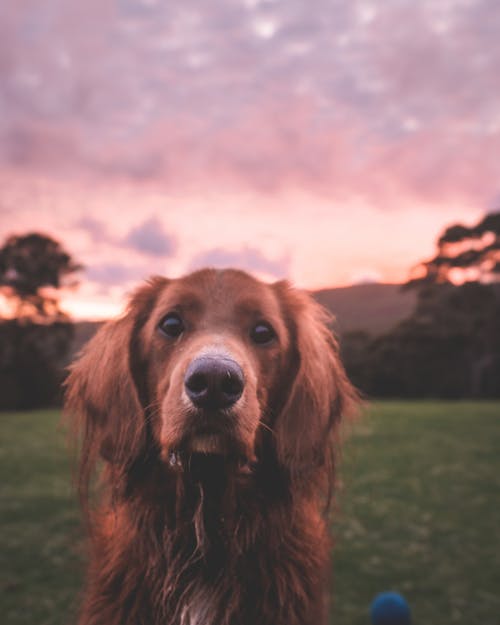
77 309
84 309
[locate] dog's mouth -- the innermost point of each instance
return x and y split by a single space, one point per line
208 443
208 449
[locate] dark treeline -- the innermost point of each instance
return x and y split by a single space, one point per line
36 340
450 345
448 348
33 358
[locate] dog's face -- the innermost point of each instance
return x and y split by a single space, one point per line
215 350
211 363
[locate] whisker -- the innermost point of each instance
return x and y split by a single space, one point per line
267 427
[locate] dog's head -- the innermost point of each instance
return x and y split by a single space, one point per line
214 363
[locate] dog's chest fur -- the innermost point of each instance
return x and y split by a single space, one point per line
197 609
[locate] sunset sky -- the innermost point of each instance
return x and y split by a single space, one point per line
323 140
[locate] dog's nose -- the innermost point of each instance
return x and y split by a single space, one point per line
214 382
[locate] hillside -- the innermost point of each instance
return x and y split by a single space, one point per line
374 308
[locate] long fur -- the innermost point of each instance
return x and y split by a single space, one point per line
208 544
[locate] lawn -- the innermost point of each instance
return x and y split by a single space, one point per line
418 512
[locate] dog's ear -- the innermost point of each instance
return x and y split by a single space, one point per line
317 391
105 390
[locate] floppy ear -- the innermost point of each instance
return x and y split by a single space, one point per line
319 391
106 392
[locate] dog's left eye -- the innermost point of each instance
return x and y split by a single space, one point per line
262 333
171 325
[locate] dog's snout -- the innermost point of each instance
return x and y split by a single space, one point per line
214 382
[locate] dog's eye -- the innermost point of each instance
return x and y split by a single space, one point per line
262 333
171 325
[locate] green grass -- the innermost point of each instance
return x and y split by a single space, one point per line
418 513
39 521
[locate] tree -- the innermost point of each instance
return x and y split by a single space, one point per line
35 343
32 268
450 345
464 254
459 300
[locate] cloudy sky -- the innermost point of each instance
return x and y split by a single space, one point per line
329 141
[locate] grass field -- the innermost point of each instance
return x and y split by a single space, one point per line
418 513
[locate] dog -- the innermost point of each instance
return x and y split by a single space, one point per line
206 417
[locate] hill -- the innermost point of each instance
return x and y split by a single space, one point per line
374 308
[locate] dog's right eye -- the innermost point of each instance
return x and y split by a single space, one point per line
262 333
171 325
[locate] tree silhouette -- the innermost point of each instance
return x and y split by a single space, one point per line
32 268
450 345
464 255
36 342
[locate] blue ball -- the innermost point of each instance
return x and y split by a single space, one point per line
390 608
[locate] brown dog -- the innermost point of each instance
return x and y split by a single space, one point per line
209 411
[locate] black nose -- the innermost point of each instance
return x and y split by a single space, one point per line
214 382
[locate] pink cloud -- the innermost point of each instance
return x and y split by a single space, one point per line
325 143
363 102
